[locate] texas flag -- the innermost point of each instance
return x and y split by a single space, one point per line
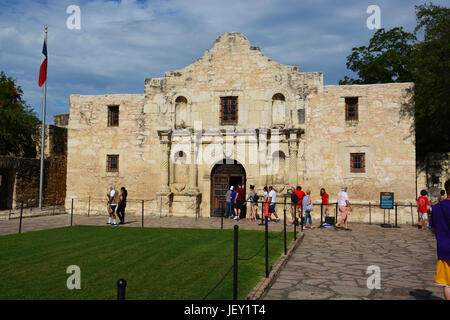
43 70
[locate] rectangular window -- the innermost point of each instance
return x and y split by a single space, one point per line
112 163
113 116
351 109
228 110
301 116
357 162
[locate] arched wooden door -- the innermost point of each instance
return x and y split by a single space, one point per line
224 175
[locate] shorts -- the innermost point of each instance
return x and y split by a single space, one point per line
343 212
113 208
442 273
272 208
239 204
423 215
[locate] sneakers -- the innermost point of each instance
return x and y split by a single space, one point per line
236 218
277 220
108 223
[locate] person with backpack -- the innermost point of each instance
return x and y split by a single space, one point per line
299 205
294 201
307 208
422 208
112 204
440 227
253 198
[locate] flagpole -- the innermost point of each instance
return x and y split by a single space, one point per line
41 178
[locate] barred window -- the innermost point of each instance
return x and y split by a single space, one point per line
113 116
351 109
228 110
357 162
112 163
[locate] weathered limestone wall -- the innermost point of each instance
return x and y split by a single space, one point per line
382 133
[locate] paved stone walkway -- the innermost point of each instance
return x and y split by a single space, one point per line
331 264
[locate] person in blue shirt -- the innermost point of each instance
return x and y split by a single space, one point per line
233 202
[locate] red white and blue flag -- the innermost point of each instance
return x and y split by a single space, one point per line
43 70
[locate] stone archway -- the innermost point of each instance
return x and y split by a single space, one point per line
223 174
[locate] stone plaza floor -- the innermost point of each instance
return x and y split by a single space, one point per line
327 264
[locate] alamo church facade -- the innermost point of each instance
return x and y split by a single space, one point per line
235 116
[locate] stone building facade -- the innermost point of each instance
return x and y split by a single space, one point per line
235 116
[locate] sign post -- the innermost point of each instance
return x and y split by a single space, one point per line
387 202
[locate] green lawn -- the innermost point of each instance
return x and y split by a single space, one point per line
157 263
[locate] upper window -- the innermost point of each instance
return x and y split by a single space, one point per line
112 163
113 116
351 109
228 110
357 162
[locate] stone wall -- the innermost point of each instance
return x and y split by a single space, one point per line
303 122
432 172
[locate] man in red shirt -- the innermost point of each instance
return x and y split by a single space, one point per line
422 208
300 194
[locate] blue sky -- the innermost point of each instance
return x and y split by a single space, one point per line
120 43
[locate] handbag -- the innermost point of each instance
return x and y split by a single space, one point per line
310 206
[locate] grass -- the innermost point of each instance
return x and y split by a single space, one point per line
167 264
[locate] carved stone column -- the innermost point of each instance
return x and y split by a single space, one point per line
163 197
193 166
293 152
262 160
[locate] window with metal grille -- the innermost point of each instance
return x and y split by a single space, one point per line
357 162
351 109
228 110
113 116
112 163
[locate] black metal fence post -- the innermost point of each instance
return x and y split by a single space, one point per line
221 219
89 206
370 214
71 213
302 218
396 215
336 214
21 212
142 213
121 285
285 248
412 216
235 267
295 222
267 245
321 215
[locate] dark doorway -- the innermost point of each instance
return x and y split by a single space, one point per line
6 188
223 175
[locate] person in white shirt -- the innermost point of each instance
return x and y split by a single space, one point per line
272 203
344 205
112 204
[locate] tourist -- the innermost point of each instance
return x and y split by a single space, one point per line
266 203
233 202
325 199
112 204
307 208
252 197
422 208
440 226
122 204
344 205
300 194
240 200
272 203
229 203
294 201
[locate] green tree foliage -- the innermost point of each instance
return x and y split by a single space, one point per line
432 90
18 123
387 58
398 56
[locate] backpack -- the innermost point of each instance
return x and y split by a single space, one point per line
294 198
255 198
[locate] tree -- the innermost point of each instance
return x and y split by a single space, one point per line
398 56
432 90
18 123
387 58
